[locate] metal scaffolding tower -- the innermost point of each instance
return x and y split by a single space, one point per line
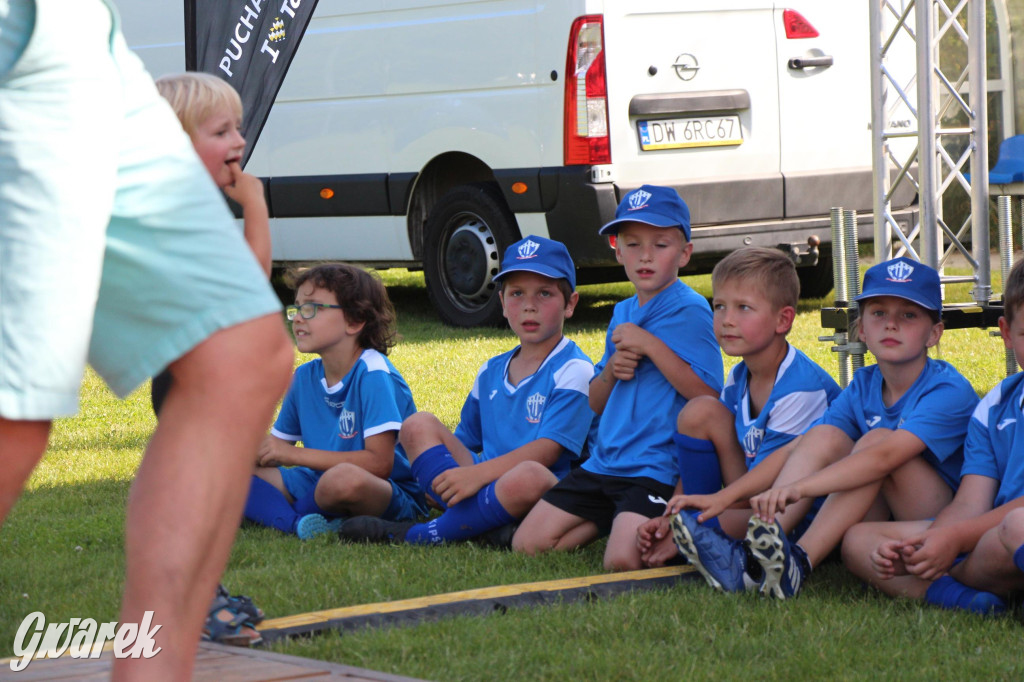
925 135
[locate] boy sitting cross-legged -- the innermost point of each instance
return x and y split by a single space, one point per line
772 396
660 351
524 421
971 556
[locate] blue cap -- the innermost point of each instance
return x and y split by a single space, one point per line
904 278
653 205
542 256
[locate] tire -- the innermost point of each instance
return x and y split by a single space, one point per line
816 281
467 232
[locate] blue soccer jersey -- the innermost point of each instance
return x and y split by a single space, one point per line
799 397
372 398
995 439
634 434
936 409
552 403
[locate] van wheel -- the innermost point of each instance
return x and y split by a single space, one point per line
816 281
467 232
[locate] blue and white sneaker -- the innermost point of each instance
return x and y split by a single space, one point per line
311 525
784 573
720 559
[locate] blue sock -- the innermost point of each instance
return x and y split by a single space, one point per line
467 519
1018 557
267 506
307 505
948 593
698 465
431 463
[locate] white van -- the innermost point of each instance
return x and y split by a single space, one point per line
422 133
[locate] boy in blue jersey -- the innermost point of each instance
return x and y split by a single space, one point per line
926 559
524 421
660 351
772 396
346 407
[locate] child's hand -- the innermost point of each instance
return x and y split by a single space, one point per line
930 554
650 532
623 364
710 505
275 452
887 559
244 188
629 337
660 553
455 485
774 501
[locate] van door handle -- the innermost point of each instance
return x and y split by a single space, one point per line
809 62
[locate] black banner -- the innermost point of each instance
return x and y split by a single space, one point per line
248 43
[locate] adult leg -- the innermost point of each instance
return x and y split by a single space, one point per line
23 444
187 498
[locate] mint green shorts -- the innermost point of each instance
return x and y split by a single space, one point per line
116 247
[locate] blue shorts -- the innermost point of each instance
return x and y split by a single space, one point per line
116 247
301 482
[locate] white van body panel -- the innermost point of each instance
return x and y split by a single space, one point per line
428 119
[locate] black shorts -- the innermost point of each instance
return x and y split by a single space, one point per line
600 498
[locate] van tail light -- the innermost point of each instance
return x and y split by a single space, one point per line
586 94
797 26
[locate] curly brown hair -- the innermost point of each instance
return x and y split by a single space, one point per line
362 298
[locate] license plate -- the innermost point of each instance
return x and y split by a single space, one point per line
680 133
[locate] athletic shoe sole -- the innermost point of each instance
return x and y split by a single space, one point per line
688 548
766 547
311 525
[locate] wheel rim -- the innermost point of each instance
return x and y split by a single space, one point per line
469 261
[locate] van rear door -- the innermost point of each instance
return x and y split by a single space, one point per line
824 106
693 95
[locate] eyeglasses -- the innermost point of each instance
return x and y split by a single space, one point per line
307 310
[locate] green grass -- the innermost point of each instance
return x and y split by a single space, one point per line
61 552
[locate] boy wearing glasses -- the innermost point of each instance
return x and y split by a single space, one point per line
345 407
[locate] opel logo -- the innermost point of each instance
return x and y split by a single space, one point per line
686 66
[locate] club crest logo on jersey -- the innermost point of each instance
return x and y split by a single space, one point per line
527 250
347 424
873 421
752 441
535 407
900 272
639 199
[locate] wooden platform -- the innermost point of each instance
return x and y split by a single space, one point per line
214 663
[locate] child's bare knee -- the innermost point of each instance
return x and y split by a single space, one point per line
341 484
1011 530
420 426
699 413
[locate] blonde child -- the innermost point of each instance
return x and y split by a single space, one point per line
890 444
771 397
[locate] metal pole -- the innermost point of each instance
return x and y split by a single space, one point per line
1006 260
926 107
840 280
982 291
880 165
849 221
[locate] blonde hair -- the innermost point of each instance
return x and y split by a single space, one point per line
767 270
195 96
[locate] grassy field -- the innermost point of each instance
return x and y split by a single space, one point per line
61 552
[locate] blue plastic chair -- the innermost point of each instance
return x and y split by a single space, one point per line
1010 166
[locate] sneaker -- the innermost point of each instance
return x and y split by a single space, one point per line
720 559
784 574
498 538
311 525
374 529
